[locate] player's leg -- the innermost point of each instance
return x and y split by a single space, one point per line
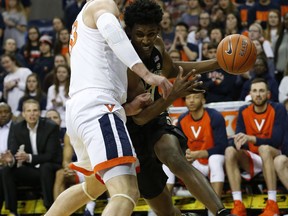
281 166
76 196
217 176
168 151
162 204
121 183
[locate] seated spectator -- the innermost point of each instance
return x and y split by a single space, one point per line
16 22
207 139
216 35
58 24
167 32
3 73
273 27
66 177
9 47
219 84
44 64
189 52
14 82
191 16
36 162
33 91
59 59
259 135
62 44
260 70
5 123
232 24
58 92
30 49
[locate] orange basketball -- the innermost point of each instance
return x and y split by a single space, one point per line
236 54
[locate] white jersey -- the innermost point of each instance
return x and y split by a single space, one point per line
91 68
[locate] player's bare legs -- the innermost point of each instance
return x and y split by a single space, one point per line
281 166
169 152
119 205
162 205
74 197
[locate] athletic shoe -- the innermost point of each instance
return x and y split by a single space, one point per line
239 209
271 209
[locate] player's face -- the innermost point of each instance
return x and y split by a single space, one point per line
194 102
259 93
143 38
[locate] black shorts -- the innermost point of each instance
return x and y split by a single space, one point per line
151 178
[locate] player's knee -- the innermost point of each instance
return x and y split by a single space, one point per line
216 160
230 153
279 162
264 151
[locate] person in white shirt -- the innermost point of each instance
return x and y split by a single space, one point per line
14 82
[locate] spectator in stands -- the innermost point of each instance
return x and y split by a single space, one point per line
44 64
281 50
206 139
5 123
71 12
281 161
191 16
58 92
259 134
33 91
208 5
40 159
219 84
25 3
9 47
255 32
30 50
260 70
216 35
3 73
66 177
62 44
58 24
189 52
259 12
14 81
228 7
167 30
232 24
243 12
273 29
283 89
59 59
218 17
15 22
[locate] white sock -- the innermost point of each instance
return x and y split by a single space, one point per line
237 195
272 195
210 213
90 206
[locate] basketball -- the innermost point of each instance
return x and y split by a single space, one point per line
236 54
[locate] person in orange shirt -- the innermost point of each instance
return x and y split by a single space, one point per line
259 134
206 139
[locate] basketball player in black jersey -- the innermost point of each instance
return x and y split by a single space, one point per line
156 141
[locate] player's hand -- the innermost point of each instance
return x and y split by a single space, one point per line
138 103
185 85
189 155
240 139
161 82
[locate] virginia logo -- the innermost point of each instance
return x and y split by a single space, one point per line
196 132
229 50
259 126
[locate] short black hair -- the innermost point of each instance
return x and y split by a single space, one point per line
183 24
143 12
260 80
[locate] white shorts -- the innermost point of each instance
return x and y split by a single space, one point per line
97 130
214 169
255 166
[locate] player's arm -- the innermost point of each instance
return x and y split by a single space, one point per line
181 87
219 133
170 68
111 30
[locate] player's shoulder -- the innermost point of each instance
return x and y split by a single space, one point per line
183 115
102 6
277 106
213 113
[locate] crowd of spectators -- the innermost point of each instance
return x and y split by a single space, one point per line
35 64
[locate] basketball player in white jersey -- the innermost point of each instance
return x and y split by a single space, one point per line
100 54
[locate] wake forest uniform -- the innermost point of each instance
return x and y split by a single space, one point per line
98 88
151 178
